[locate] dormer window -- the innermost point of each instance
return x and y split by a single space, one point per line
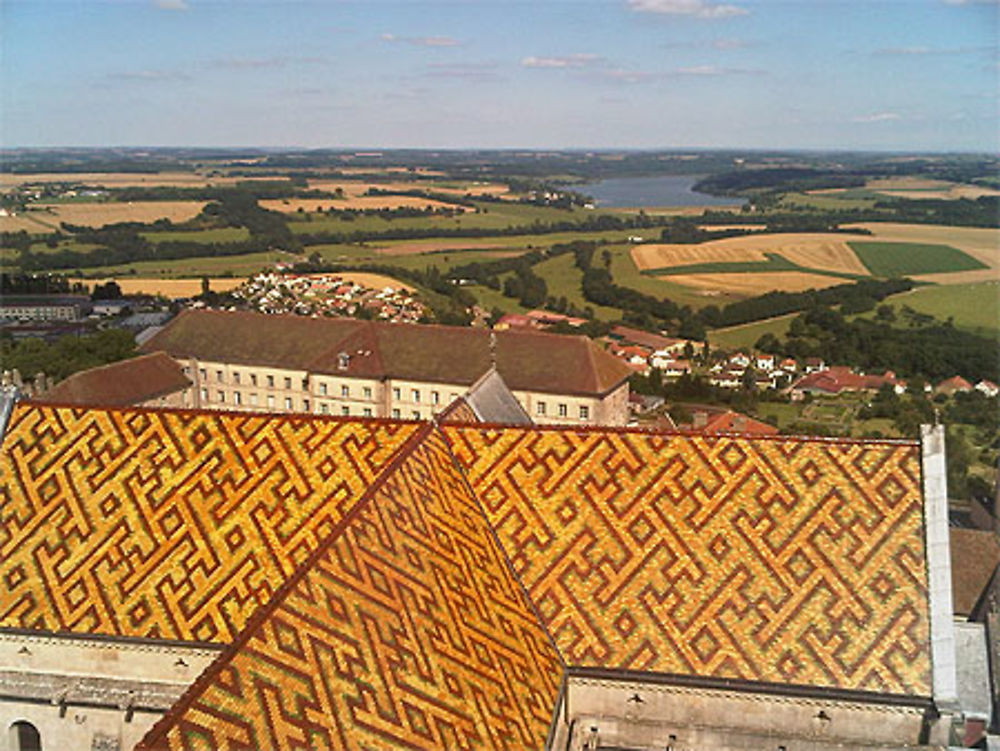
343 360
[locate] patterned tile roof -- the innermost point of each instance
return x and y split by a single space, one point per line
783 560
406 629
169 524
385 584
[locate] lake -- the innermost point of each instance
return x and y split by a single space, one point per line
652 192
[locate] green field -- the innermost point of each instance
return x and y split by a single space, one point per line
852 199
218 235
892 259
564 279
973 307
746 335
238 265
626 274
491 215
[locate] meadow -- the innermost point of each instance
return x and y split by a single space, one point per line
894 259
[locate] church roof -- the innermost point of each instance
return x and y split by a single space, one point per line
764 559
173 525
405 629
384 583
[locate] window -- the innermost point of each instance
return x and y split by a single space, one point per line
218 376
204 395
220 396
322 389
236 378
324 409
368 411
270 402
416 396
288 402
202 374
288 383
24 737
345 390
416 415
562 410
237 398
253 379
395 414
253 400
540 408
345 410
305 405
270 381
367 391
187 370
435 397
396 394
584 413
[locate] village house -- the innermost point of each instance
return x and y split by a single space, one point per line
952 385
987 388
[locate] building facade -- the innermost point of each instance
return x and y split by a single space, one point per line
355 368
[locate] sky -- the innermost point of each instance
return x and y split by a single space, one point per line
903 75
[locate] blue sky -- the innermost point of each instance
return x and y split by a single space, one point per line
864 74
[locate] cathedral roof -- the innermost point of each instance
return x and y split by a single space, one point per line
375 581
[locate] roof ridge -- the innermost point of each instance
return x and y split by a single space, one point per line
502 550
153 736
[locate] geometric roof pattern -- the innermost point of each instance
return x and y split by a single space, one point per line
406 629
380 584
783 560
176 525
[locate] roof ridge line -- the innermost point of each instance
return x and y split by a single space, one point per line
264 612
503 551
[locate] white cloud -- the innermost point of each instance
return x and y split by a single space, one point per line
697 8
715 70
432 41
578 60
172 4
878 117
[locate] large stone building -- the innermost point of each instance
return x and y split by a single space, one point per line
342 366
294 582
153 380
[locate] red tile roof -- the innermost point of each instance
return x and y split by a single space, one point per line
736 422
839 378
975 555
527 360
953 384
134 381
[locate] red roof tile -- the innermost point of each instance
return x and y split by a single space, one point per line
134 381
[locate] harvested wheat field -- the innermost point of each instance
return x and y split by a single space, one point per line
827 252
292 205
124 179
99 214
172 288
32 222
359 188
756 283
372 281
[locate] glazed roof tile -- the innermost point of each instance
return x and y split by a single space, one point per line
175 525
762 559
406 629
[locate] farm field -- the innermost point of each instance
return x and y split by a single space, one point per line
99 214
172 288
625 273
222 266
564 279
822 251
32 222
311 205
749 285
746 334
217 235
974 307
359 188
892 259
